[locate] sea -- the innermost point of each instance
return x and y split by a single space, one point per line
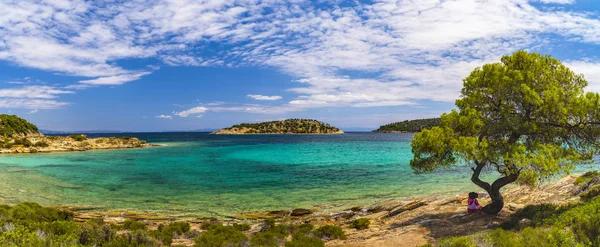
204 175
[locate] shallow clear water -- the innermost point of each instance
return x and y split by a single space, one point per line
219 175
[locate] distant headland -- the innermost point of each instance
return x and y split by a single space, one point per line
409 126
17 135
288 126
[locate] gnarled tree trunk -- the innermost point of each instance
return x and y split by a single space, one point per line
497 203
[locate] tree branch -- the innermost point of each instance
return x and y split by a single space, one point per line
475 177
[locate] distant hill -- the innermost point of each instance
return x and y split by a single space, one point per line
13 126
409 126
288 126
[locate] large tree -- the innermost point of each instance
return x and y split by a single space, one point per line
526 117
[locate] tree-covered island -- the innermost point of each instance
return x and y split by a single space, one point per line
409 126
288 126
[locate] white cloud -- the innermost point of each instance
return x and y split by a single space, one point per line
33 92
192 111
558 1
164 116
115 80
263 97
398 52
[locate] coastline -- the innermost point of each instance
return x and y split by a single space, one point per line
60 144
407 222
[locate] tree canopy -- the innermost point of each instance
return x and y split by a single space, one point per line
526 117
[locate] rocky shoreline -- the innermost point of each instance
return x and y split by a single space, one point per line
402 222
48 144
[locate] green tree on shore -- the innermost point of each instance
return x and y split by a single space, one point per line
526 117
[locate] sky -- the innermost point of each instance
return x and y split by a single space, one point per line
161 65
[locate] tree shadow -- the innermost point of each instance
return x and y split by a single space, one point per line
444 225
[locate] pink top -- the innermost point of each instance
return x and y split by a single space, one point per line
473 204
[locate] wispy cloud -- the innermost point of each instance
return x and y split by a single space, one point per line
263 97
380 53
164 116
32 97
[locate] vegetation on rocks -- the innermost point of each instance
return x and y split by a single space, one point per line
29 224
289 126
360 224
409 126
14 126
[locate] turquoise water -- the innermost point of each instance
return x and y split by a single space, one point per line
216 175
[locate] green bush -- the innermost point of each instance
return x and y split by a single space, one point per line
218 236
591 192
241 227
300 240
133 225
457 242
78 137
136 238
305 228
95 233
360 224
586 177
330 232
41 144
22 141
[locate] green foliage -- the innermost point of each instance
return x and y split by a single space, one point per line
410 126
591 192
22 141
133 225
288 126
305 228
41 144
527 114
219 236
301 240
584 178
79 137
241 227
360 224
457 242
330 232
11 125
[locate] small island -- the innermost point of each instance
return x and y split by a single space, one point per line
17 135
288 126
409 126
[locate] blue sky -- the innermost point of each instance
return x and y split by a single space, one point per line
182 65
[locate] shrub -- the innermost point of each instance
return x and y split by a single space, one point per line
300 240
22 141
360 224
30 211
207 225
591 192
305 228
20 236
95 233
41 144
221 236
78 137
133 225
457 242
241 227
136 238
330 232
586 177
